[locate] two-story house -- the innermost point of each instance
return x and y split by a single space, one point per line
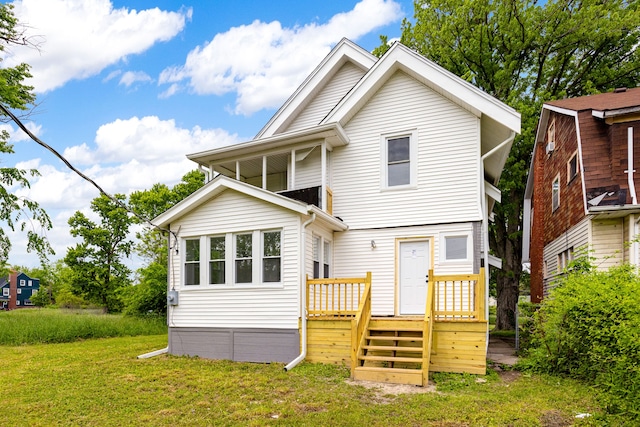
383 166
582 189
16 290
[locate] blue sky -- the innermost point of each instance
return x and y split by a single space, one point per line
125 89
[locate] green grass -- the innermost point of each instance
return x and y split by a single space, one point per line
31 326
101 383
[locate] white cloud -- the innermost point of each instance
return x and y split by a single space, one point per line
264 62
82 37
131 77
17 134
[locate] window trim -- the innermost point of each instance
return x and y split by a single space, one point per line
5 292
235 257
443 248
412 134
209 260
263 256
554 205
570 176
184 262
324 263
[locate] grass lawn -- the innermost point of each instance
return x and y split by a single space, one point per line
100 382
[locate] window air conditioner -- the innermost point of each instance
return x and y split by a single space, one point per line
550 146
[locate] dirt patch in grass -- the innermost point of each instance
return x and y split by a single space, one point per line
554 419
384 389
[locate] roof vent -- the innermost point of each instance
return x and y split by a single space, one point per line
620 90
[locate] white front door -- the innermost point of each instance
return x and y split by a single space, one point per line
414 266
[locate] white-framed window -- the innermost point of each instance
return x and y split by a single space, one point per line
30 283
399 159
22 282
243 258
192 262
316 256
321 257
551 132
217 260
455 247
564 258
19 291
17 302
572 167
555 193
326 257
271 256
5 292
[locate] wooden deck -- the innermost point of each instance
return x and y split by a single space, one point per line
452 336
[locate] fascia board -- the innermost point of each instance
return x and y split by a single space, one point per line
331 221
344 51
443 81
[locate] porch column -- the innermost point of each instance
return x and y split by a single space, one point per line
264 172
238 170
324 175
293 170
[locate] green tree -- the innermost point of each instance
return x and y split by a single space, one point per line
17 212
99 272
150 294
525 53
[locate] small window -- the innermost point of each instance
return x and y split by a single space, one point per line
30 282
271 260
18 302
572 167
5 292
316 257
22 282
192 262
456 248
19 291
244 258
326 256
551 132
216 260
564 258
555 193
398 161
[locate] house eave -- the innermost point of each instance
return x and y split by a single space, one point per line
609 212
331 133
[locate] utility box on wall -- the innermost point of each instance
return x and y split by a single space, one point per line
172 298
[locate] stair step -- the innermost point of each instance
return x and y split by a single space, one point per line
388 375
391 359
392 338
398 328
393 348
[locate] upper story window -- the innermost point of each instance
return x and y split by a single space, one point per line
217 260
192 262
555 193
23 282
572 167
244 258
399 163
5 292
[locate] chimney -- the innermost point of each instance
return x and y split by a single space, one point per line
620 90
13 289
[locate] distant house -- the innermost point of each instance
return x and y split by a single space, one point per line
384 166
582 190
17 290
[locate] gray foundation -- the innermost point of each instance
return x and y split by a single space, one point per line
242 345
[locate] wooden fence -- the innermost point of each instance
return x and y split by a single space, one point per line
335 298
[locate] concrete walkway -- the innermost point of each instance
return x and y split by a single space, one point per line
502 351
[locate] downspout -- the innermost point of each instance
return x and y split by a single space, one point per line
630 170
303 294
485 216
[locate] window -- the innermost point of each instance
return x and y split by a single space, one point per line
30 282
216 260
316 257
326 256
564 258
271 264
456 248
400 159
19 291
5 292
22 282
555 193
192 262
572 167
244 258
551 132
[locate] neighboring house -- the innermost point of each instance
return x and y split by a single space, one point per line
582 188
16 290
385 166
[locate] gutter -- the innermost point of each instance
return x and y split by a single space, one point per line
154 353
303 295
630 170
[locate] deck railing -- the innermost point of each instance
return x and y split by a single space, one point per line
335 298
458 296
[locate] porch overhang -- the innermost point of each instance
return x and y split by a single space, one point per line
609 212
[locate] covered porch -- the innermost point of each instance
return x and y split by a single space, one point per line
450 337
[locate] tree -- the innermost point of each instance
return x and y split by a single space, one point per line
524 54
150 294
99 273
17 212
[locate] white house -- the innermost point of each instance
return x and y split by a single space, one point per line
386 166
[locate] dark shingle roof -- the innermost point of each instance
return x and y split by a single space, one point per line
603 101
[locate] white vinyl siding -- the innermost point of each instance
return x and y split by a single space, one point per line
308 170
335 89
448 141
607 240
577 237
353 256
259 305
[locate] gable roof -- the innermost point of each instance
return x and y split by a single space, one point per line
222 183
616 100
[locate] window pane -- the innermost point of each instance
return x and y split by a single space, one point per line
193 250
398 149
217 248
244 245
216 272
271 270
192 274
244 267
399 174
456 247
272 244
316 270
316 248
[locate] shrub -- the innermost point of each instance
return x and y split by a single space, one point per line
589 328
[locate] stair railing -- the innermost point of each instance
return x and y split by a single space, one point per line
360 323
427 332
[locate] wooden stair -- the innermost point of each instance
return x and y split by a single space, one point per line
392 351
